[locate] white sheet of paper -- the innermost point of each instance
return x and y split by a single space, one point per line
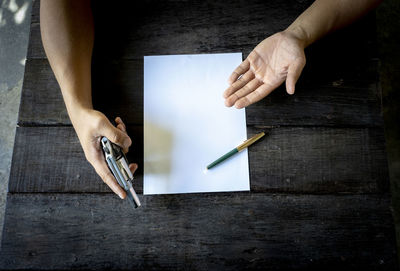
187 126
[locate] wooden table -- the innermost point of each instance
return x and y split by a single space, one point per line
319 181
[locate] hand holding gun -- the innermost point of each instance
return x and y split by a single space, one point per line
118 164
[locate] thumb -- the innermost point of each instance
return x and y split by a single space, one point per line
102 170
293 75
115 135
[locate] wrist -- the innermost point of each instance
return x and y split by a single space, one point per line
300 34
78 100
78 111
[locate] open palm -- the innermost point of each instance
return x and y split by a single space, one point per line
275 59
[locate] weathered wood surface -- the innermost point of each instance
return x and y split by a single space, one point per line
289 159
327 156
130 30
199 232
118 90
133 29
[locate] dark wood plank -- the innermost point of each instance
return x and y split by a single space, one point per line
199 231
118 90
170 27
289 159
51 159
319 160
35 17
132 29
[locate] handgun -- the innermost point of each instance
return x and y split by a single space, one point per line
118 164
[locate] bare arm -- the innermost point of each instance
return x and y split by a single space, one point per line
281 56
67 34
325 16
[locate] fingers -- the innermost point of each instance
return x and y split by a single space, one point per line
254 96
105 174
241 82
120 124
241 69
122 127
116 135
246 89
293 75
133 167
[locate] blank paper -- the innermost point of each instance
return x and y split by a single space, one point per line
187 126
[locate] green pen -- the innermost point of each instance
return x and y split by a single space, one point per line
239 148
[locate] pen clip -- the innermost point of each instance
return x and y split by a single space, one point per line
250 141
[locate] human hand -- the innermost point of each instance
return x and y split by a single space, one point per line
90 126
278 57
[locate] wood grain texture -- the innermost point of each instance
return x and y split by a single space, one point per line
335 212
129 30
133 29
198 232
353 100
35 17
51 159
117 91
288 159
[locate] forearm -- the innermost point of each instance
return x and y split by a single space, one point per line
67 35
325 16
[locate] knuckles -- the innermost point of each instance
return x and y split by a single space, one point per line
99 123
116 138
